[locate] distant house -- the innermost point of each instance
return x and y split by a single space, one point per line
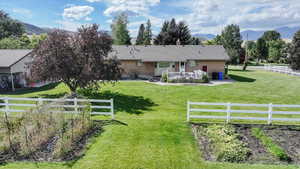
136 61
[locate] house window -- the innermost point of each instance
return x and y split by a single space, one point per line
139 63
164 64
193 63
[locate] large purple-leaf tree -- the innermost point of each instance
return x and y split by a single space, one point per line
80 59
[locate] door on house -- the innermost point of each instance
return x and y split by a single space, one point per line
161 67
181 66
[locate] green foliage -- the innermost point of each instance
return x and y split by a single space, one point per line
120 31
276 50
141 35
232 41
226 144
164 77
273 148
10 27
148 33
196 41
271 36
171 33
294 52
24 42
262 49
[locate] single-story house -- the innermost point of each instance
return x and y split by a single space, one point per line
149 61
141 61
13 66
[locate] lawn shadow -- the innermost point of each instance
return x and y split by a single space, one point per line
127 103
102 123
241 78
30 90
240 70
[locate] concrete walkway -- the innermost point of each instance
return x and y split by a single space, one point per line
211 83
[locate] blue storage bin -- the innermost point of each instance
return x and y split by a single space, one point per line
220 75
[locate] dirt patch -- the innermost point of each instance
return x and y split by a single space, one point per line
287 137
259 154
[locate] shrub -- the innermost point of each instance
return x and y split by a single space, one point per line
164 77
226 144
273 148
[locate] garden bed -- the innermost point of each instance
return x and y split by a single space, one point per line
249 143
47 133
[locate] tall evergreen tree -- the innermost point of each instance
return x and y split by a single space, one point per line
148 33
171 33
163 34
294 52
195 41
120 31
232 42
141 38
172 37
10 27
262 49
184 34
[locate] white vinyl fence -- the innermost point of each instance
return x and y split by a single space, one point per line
19 105
228 112
282 69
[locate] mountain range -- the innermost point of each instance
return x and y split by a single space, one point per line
286 32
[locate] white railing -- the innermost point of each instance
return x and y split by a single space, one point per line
197 74
229 112
19 105
282 69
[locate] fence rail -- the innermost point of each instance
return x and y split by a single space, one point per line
282 69
229 112
74 104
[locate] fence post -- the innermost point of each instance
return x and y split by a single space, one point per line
40 102
228 112
6 106
112 108
188 111
76 105
270 113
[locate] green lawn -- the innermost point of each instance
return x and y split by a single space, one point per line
151 132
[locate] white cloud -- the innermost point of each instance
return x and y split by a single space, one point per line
135 7
69 25
78 12
94 0
211 16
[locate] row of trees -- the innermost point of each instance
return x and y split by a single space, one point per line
12 34
23 42
171 33
145 34
270 47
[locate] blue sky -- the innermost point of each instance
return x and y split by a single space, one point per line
203 16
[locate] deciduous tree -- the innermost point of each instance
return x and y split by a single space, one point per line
232 42
271 35
294 52
78 60
10 27
262 49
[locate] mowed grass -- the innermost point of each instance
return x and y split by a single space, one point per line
151 131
